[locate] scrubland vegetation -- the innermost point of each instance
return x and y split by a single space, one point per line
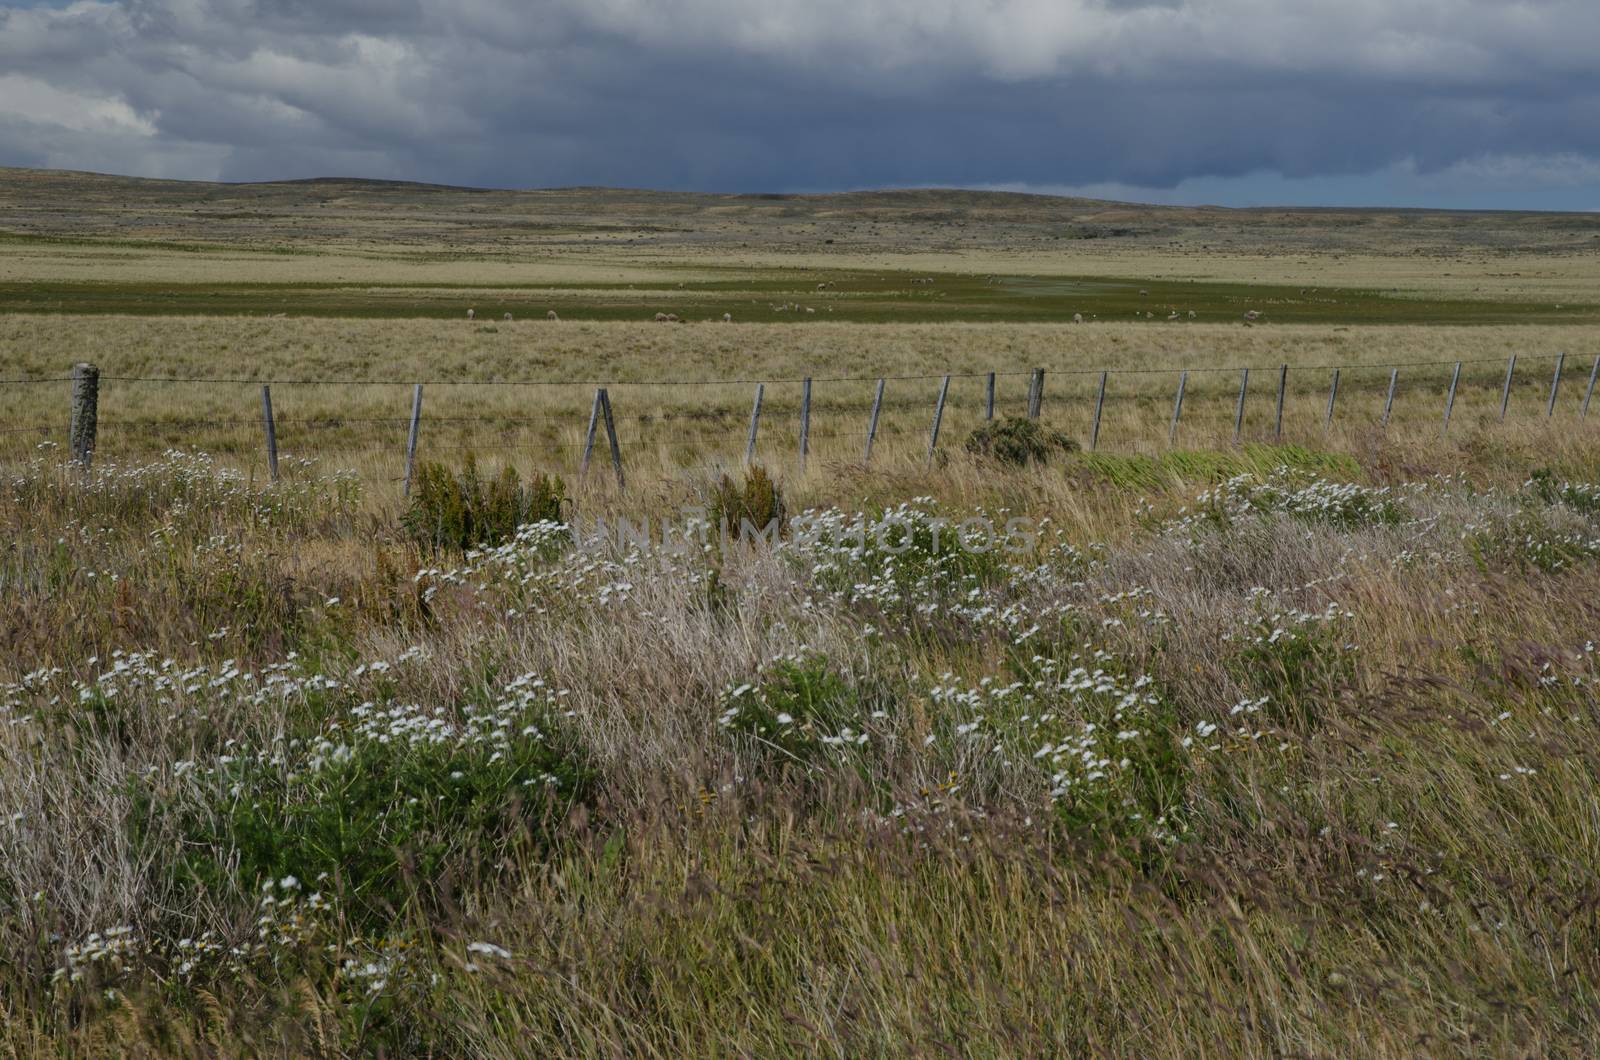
1266 752
1188 745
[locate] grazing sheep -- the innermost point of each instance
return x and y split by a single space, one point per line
1077 318
472 314
661 318
1191 314
727 318
551 315
1252 314
507 318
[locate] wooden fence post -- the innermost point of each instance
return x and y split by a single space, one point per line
1450 399
988 405
1588 394
1505 391
938 417
1333 395
1099 406
1238 415
1283 386
1036 394
85 421
872 424
1177 406
271 428
755 421
588 438
611 436
1555 384
411 437
1388 402
805 421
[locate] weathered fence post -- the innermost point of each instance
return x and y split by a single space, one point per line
85 420
1555 384
1238 414
272 430
588 438
1036 394
938 417
1099 406
1588 393
1505 391
1450 399
872 423
611 436
988 404
411 437
755 421
1333 395
1283 387
1388 402
1177 406
805 421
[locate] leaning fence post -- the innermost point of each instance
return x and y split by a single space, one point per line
872 423
805 421
85 420
755 421
411 437
271 428
1505 392
1333 395
1283 386
938 417
1450 400
1099 406
1036 394
588 439
1588 394
1388 401
1238 415
1555 384
1177 406
611 436
988 405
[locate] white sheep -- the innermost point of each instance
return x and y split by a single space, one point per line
507 318
727 318
551 315
472 314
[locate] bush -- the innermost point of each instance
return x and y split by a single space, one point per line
469 511
1018 442
756 500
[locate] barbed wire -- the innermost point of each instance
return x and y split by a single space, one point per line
778 381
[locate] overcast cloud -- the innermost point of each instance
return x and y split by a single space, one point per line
1409 102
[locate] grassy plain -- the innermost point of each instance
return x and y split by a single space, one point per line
1276 747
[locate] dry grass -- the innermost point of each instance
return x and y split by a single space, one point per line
1393 851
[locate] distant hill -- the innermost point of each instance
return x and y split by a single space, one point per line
53 204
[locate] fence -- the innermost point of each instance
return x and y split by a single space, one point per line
545 418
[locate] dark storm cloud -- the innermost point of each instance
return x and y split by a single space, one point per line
727 94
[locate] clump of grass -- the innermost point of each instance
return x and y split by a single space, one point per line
467 510
1017 442
749 505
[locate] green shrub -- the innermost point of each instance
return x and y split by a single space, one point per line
756 499
1018 442
1298 661
385 820
800 710
450 511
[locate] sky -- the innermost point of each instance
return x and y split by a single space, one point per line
1481 104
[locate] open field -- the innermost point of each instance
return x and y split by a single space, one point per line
1186 746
